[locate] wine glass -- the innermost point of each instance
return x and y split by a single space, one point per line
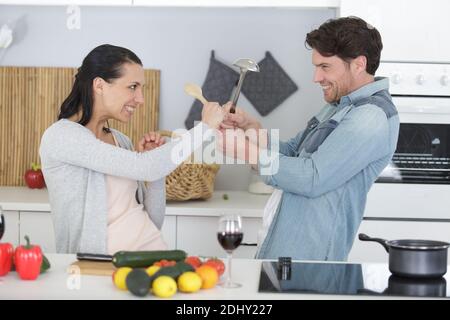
230 237
2 223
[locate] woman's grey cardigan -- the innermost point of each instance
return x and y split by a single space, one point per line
74 163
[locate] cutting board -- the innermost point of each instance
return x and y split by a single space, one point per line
96 268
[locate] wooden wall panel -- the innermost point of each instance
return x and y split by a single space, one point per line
29 101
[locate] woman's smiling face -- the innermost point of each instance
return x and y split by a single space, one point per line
123 95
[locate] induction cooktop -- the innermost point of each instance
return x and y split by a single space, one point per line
345 279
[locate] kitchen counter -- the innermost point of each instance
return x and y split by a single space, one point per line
242 202
58 284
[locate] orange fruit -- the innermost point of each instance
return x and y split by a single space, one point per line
209 276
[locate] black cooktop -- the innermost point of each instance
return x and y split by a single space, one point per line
346 279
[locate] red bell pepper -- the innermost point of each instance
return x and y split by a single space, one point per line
28 260
6 258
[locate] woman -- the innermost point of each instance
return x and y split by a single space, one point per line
99 201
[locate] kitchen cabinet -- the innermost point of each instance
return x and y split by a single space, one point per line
363 251
198 236
39 227
185 3
411 30
240 3
169 231
11 234
68 2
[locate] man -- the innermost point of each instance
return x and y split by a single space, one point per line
324 173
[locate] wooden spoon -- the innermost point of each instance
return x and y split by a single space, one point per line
195 91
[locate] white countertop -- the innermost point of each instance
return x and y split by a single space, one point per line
242 202
57 283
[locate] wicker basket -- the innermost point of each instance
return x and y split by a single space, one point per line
190 180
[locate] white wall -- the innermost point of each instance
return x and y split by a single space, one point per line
178 42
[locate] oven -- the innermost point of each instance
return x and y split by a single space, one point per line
421 92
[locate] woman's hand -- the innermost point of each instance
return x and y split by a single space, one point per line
150 141
212 114
239 119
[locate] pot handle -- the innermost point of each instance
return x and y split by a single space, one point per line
383 242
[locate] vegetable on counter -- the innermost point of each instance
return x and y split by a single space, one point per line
28 260
6 258
144 259
45 264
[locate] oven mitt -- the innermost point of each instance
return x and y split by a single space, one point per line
218 86
268 88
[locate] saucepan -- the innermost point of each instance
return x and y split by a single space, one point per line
414 258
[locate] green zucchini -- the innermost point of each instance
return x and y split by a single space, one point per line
143 259
173 271
184 267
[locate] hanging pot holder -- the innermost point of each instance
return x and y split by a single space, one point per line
268 88
218 86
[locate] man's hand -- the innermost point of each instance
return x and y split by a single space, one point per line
150 141
239 119
234 143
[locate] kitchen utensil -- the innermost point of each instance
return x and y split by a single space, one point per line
414 258
97 268
92 264
94 257
195 91
244 66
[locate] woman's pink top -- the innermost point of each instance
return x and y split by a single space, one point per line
129 226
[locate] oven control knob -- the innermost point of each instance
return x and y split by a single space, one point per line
445 80
420 79
396 78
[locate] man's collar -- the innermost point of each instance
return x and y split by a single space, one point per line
380 83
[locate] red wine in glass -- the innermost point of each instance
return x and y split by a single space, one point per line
229 235
230 240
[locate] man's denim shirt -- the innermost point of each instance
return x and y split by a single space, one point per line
325 173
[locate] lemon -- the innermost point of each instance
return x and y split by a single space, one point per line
164 287
119 277
152 270
189 282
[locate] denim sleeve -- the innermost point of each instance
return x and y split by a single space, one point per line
289 148
361 138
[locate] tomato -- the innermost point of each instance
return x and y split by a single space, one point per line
165 263
216 264
194 261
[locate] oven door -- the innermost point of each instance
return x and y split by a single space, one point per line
423 151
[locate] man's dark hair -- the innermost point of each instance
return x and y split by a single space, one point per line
348 38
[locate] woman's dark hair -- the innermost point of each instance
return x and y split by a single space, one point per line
348 38
104 61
